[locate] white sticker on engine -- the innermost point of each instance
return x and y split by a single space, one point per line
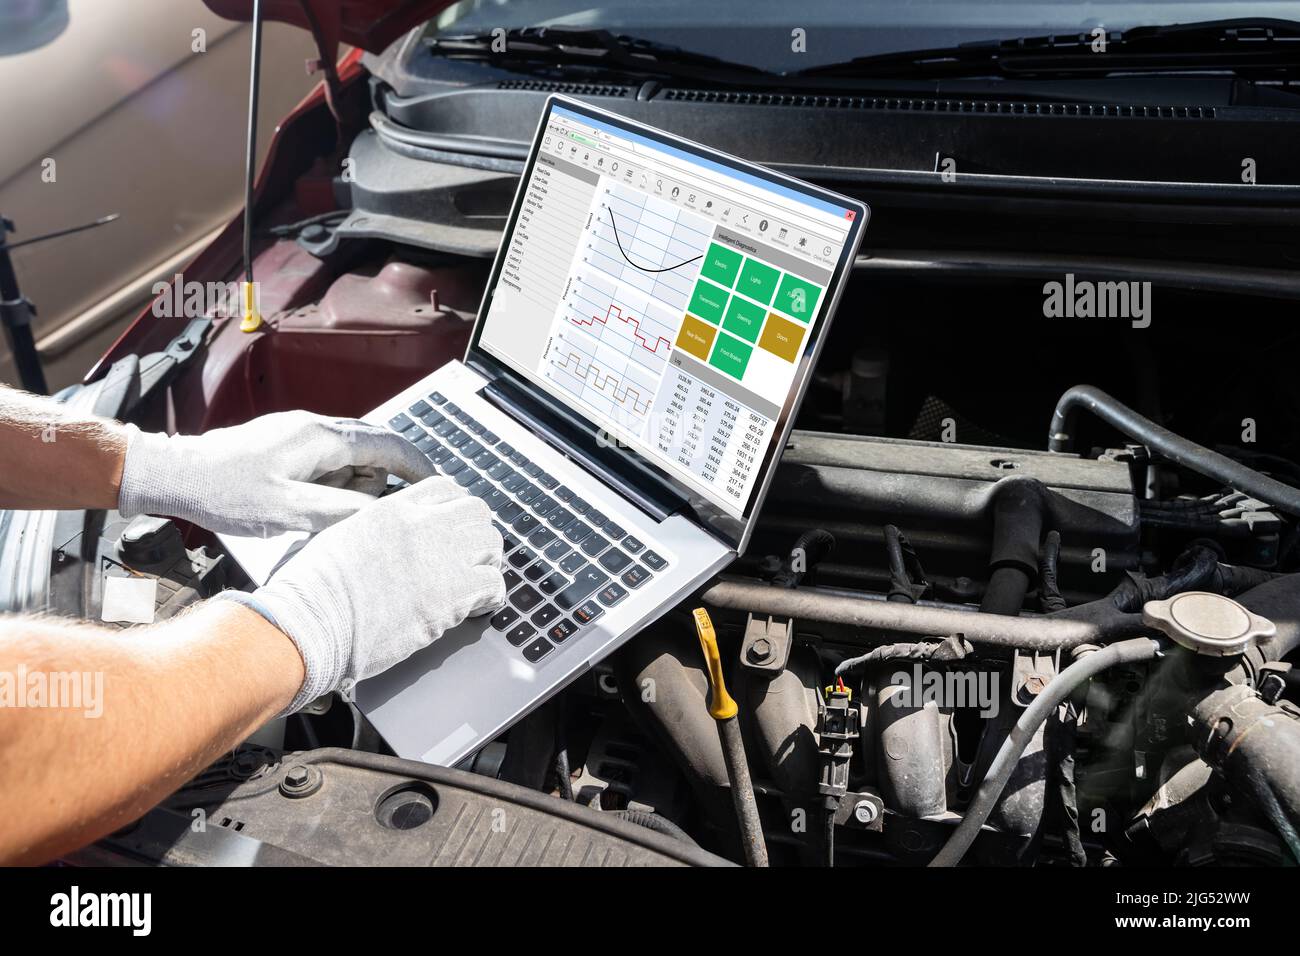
129 600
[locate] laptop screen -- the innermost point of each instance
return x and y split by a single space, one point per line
667 294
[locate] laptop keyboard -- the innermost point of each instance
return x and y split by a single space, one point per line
565 561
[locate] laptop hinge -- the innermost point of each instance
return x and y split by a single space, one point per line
656 501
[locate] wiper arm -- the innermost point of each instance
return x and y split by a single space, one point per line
1256 47
599 49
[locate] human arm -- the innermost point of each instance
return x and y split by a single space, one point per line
288 471
157 705
55 458
176 695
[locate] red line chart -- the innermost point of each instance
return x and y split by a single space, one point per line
626 395
617 312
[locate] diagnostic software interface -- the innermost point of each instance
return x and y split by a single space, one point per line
667 297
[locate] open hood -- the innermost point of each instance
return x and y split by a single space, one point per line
370 25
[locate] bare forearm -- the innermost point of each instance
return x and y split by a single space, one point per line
156 706
55 459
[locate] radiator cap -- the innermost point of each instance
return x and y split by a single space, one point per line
1207 623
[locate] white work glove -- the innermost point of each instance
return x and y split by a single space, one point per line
291 471
379 586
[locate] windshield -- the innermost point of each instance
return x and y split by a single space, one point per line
765 33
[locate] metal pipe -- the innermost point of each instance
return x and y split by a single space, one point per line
1044 634
1057 690
1256 746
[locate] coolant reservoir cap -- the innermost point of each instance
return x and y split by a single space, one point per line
1207 623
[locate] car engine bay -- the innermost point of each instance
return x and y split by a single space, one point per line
977 499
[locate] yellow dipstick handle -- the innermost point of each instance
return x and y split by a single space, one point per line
252 317
723 711
721 706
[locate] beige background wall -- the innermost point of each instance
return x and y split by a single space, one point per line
138 124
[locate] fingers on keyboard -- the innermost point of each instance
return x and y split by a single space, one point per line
566 561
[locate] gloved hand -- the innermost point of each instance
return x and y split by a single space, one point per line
378 586
291 471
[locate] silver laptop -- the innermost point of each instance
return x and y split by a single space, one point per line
648 329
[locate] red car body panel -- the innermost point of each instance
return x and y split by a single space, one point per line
338 352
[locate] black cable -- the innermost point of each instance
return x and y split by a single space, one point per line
1177 449
563 772
906 577
810 549
1049 590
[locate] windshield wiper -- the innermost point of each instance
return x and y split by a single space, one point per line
1251 47
599 49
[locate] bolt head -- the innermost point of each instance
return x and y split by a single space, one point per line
297 776
760 650
864 812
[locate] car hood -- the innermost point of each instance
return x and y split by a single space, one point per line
370 25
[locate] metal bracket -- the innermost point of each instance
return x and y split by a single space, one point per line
158 370
765 648
1031 671
861 810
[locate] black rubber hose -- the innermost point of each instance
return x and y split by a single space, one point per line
653 821
1057 690
1279 601
1018 511
1006 591
1232 580
1013 556
1190 455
